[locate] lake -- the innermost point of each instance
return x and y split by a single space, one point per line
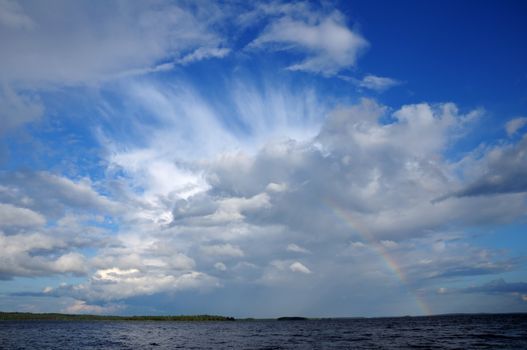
434 332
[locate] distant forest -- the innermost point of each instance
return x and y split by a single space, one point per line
9 316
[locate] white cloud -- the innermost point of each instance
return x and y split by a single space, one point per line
299 267
39 254
180 210
329 45
49 194
70 262
81 307
61 45
514 125
377 83
220 266
181 262
113 274
116 284
276 187
204 52
19 217
502 170
164 169
235 208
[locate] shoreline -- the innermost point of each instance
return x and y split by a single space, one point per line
28 316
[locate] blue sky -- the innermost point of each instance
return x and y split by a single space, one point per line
257 160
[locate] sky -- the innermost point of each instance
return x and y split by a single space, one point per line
262 159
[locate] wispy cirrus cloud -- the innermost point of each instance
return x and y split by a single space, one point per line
377 83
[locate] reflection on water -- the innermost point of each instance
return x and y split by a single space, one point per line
439 332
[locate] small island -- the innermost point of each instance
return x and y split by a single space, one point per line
28 316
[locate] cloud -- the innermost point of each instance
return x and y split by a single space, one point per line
377 83
169 216
372 171
39 254
226 250
161 162
328 44
46 221
202 53
203 184
296 249
63 46
19 217
514 125
17 109
503 170
70 262
12 16
81 307
437 256
499 286
56 248
220 266
299 267
117 284
50 194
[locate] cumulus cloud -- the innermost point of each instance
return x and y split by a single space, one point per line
199 193
354 193
364 179
373 171
39 254
326 41
117 284
46 221
19 217
70 262
345 185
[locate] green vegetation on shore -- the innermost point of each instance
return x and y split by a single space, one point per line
13 316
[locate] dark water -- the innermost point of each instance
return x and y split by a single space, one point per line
438 332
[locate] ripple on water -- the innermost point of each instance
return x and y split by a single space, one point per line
440 332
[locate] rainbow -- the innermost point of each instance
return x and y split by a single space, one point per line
391 263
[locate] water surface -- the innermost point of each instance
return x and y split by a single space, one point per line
437 332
